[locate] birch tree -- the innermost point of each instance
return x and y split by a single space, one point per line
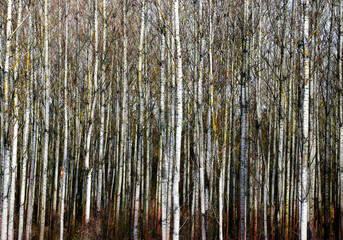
179 119
164 159
6 145
66 131
305 125
93 98
236 136
140 124
25 147
199 123
102 110
46 122
15 134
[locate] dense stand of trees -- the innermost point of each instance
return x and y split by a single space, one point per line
171 119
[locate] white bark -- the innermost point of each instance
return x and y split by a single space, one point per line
2 131
15 135
179 92
46 123
222 170
25 151
171 117
31 180
102 110
281 112
199 122
87 164
13 167
66 131
6 151
93 97
210 115
148 136
304 159
164 159
57 135
140 125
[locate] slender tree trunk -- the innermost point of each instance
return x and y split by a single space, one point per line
32 169
305 135
25 151
140 125
149 148
15 134
170 145
242 163
199 123
223 168
259 127
328 153
6 150
102 148
281 112
46 123
179 118
2 115
124 117
210 114
93 99
164 159
66 131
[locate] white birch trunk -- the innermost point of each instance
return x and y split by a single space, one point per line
46 123
140 125
222 170
25 151
93 96
171 122
57 140
32 171
66 131
210 115
102 110
2 115
164 159
148 135
179 89
15 135
304 159
13 167
199 123
6 151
